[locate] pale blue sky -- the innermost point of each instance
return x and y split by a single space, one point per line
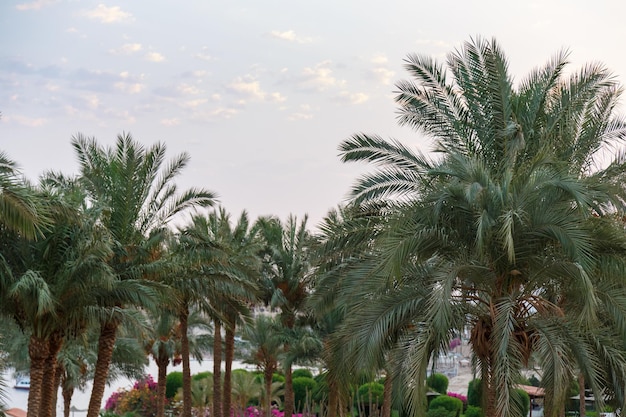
260 93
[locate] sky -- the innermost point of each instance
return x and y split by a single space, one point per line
259 93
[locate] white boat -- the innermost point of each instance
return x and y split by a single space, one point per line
22 382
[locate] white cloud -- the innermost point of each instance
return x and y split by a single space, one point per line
320 77
27 121
218 113
108 14
170 122
187 89
247 87
300 116
351 98
277 97
204 54
384 75
379 60
155 57
191 104
129 88
35 5
127 49
290 36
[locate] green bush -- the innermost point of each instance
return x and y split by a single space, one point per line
173 381
474 393
452 404
278 378
202 375
438 382
524 399
372 392
473 411
302 385
439 412
297 373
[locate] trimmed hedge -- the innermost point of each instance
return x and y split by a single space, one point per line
173 382
297 373
452 404
438 382
372 391
302 385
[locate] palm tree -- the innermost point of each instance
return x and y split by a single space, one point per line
225 261
163 343
266 343
507 231
134 190
288 275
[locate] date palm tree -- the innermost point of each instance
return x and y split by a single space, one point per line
507 229
134 189
288 275
225 261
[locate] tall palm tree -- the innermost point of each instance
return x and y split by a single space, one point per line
226 262
266 343
288 277
507 230
134 189
163 343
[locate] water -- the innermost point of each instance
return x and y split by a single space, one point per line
80 401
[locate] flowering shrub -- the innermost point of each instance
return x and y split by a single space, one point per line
142 399
254 411
459 396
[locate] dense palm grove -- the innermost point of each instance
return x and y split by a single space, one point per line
511 230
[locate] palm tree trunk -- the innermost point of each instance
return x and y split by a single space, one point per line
289 396
162 362
229 355
38 353
217 370
67 401
333 397
58 376
268 375
386 410
106 344
184 350
50 382
581 394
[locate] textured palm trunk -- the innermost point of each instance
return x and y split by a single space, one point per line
67 401
58 376
268 375
581 394
489 391
229 355
184 350
162 362
50 383
217 370
386 410
333 397
289 396
37 353
106 344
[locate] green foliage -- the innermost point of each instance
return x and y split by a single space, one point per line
303 372
301 386
202 375
278 378
372 392
524 399
534 381
474 393
173 382
473 411
438 382
451 404
439 412
321 391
